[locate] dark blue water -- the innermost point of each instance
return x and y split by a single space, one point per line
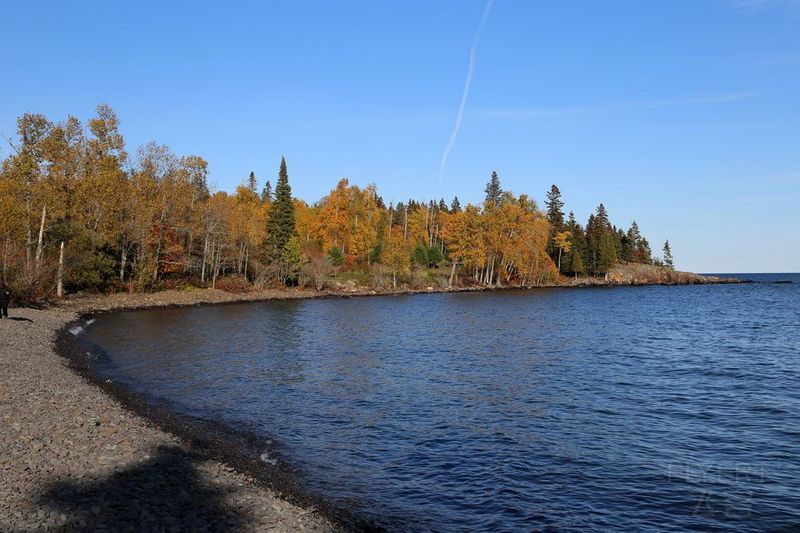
659 408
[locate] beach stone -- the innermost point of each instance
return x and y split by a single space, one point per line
73 458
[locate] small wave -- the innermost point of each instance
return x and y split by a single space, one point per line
77 330
90 322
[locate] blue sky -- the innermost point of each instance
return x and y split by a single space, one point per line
682 115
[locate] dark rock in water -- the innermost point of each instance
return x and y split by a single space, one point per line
782 281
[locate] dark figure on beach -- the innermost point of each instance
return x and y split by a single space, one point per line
5 297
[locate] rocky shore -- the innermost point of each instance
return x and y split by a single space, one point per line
619 275
72 457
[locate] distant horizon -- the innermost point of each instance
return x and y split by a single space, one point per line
684 118
747 273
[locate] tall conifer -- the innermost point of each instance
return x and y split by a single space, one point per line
494 193
668 255
280 223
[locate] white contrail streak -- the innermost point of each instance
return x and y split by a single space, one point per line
465 93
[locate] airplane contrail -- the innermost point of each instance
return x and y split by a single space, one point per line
465 92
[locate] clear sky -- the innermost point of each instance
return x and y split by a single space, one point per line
683 115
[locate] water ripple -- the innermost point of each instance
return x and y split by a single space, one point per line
646 408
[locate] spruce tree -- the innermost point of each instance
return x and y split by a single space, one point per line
443 206
266 194
555 206
644 253
608 254
598 227
494 193
577 263
633 243
601 217
668 255
555 216
455 206
280 223
252 182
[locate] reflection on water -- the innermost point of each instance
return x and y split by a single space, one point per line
626 408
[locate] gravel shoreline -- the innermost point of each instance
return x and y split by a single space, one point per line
73 457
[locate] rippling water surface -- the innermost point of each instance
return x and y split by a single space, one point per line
610 408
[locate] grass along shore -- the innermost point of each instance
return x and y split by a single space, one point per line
620 275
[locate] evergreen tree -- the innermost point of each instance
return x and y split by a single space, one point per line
603 222
266 193
577 264
668 255
555 206
443 206
608 254
598 227
633 243
455 206
292 259
592 245
578 239
252 183
620 241
280 224
494 193
555 216
335 256
643 252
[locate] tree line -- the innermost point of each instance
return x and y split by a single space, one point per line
82 214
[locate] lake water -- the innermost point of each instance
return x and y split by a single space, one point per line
630 408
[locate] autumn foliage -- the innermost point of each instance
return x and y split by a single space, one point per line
148 219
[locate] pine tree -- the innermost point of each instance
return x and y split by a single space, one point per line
266 193
443 206
494 193
252 183
280 224
668 255
455 206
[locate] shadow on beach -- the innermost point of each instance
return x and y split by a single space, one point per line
18 319
162 492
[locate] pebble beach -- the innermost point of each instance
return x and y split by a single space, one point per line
72 457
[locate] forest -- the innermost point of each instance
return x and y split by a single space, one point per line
82 214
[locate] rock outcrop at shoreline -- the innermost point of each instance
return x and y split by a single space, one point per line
638 274
72 457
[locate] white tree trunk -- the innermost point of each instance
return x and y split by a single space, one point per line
60 284
39 244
